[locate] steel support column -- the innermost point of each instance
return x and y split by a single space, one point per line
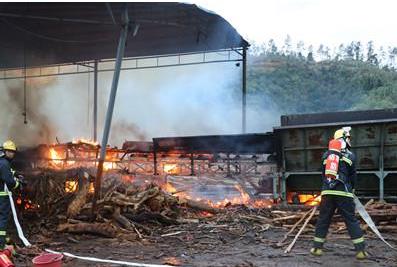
275 186
112 97
381 162
155 161
284 178
95 111
244 88
191 165
381 188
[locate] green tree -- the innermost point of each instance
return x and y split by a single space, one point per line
381 97
371 55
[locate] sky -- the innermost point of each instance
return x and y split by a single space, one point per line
330 22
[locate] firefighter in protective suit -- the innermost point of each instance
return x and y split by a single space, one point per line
337 194
8 182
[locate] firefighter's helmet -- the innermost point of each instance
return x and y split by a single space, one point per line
343 133
9 145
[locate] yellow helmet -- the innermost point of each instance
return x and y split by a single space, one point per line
344 133
9 145
338 134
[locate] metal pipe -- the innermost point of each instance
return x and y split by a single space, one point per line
84 63
106 70
95 111
109 8
112 97
244 111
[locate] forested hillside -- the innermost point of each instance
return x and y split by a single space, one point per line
303 81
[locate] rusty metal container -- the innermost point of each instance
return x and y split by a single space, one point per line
304 139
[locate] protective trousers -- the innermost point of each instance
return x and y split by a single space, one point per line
4 215
346 208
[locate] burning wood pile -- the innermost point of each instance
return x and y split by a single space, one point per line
134 208
128 208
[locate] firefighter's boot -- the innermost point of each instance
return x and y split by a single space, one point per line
361 255
316 251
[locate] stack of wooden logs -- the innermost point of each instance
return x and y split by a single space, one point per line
131 209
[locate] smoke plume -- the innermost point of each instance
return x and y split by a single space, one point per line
172 101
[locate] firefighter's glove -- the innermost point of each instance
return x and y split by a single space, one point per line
20 182
18 185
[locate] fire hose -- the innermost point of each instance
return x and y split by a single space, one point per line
364 214
16 221
366 217
28 244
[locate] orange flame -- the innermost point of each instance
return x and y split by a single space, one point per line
91 189
170 168
27 204
56 158
310 200
71 186
54 155
169 188
107 166
314 202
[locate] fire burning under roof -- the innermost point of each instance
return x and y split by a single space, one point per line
34 34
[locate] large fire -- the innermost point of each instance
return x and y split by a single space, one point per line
84 153
80 153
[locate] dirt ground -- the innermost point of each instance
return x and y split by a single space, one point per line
213 244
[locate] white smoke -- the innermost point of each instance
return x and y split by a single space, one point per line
172 101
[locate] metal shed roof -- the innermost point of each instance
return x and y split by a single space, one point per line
33 34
